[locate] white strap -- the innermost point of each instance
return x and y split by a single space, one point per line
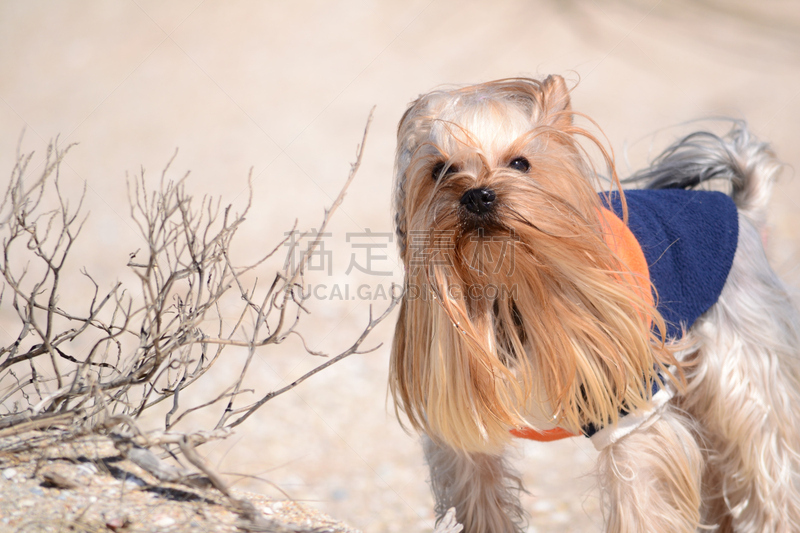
626 424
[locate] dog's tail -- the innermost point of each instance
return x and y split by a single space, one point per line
745 166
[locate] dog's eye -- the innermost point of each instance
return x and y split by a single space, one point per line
441 170
520 164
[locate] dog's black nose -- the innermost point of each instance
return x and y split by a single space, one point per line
479 201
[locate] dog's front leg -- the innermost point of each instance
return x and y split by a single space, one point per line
651 479
483 489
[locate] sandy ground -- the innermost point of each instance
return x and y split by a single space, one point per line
284 88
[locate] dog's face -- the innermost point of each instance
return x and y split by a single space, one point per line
515 313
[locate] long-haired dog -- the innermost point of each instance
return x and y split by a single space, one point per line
538 307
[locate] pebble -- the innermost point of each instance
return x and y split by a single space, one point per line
132 484
9 473
115 523
88 468
164 521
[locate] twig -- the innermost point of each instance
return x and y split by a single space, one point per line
350 351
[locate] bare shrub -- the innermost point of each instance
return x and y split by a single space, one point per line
149 349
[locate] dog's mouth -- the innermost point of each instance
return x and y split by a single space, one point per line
479 226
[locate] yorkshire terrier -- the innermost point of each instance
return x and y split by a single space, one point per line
544 301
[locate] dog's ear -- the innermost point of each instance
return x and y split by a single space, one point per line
409 132
555 102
